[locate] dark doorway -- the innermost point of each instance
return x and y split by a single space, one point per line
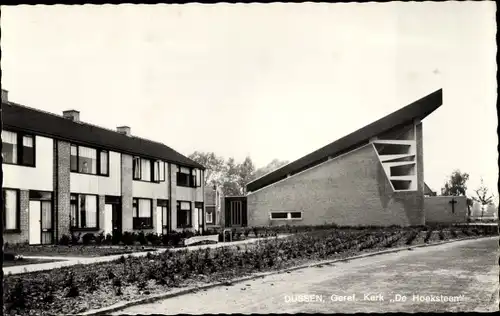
235 211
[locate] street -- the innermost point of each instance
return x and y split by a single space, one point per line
462 275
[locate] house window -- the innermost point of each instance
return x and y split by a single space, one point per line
89 160
10 209
210 214
148 170
84 211
183 214
18 148
145 169
184 177
196 177
285 215
142 213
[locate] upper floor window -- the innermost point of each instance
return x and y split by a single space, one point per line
18 148
89 160
189 177
148 170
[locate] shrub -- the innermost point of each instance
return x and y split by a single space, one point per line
129 238
109 239
141 238
453 233
88 238
428 235
246 232
153 238
441 235
71 285
75 239
64 240
99 239
17 296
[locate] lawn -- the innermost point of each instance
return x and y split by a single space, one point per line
73 251
25 261
79 288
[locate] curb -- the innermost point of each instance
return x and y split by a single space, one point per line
157 297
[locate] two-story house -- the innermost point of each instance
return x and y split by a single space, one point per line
62 175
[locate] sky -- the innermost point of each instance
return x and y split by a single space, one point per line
264 80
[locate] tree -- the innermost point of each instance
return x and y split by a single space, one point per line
456 185
246 172
215 167
483 196
230 181
273 165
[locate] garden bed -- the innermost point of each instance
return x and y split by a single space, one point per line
79 288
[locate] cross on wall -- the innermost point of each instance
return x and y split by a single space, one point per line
453 202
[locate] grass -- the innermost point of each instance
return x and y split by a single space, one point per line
73 251
24 261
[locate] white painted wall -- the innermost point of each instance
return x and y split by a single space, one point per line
93 184
29 178
153 190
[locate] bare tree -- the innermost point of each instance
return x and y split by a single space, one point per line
483 196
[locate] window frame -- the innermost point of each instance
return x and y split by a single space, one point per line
20 149
190 225
288 216
212 215
192 177
135 215
18 211
77 213
98 160
154 164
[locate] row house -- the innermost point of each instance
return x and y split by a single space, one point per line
62 175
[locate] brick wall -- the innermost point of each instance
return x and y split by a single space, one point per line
349 190
126 189
173 199
438 210
101 203
62 188
23 235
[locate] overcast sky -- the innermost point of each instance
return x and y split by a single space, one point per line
269 81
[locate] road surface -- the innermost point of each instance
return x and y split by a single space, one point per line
465 272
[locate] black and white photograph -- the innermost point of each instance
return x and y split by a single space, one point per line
249 158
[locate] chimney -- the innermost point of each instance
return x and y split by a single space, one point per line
73 115
5 95
123 130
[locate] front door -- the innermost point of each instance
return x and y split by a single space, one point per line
108 219
40 222
198 207
159 221
35 223
117 219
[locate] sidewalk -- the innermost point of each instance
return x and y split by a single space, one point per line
70 261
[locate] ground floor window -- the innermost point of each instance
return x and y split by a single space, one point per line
183 214
283 215
84 211
142 213
210 215
10 209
